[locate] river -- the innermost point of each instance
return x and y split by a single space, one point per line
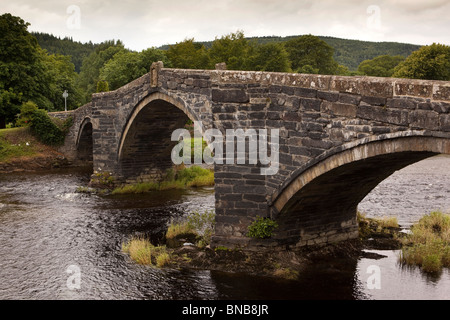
49 233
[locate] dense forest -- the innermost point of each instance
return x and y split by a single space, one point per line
76 50
38 67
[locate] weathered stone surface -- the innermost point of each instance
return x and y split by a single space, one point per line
234 96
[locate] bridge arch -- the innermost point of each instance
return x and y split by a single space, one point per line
84 143
319 201
145 143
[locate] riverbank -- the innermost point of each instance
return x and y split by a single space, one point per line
20 151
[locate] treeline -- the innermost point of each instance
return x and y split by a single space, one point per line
349 53
28 72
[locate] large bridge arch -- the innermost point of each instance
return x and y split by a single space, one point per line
144 151
318 203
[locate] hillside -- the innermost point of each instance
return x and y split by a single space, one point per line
66 46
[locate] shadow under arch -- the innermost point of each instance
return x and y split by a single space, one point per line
145 144
84 141
321 198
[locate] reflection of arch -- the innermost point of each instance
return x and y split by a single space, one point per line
325 194
84 141
145 144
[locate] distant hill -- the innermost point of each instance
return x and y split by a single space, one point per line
349 53
66 46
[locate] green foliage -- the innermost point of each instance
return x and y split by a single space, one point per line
196 226
143 252
28 73
183 178
188 54
16 142
382 66
102 86
126 66
429 62
74 50
41 124
271 57
310 54
203 224
233 49
262 228
92 65
428 244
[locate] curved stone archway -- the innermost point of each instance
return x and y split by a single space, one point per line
145 146
84 141
319 203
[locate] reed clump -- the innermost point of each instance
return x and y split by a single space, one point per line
428 244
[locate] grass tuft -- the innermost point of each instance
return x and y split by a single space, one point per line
143 252
183 178
428 245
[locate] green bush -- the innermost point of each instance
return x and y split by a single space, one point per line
262 228
41 124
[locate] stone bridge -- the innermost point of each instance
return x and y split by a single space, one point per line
338 138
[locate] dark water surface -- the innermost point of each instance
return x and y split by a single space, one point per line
47 229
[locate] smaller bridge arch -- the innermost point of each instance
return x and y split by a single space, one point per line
144 151
318 203
84 142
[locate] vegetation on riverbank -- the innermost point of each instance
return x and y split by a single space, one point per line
175 179
428 244
20 150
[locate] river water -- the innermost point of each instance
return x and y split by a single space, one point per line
49 233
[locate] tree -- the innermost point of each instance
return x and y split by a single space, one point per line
150 55
126 66
90 69
429 62
310 54
122 68
188 55
102 86
22 71
233 49
381 66
271 57
61 77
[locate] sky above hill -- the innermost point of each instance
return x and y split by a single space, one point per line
152 23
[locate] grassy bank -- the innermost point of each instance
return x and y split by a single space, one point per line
20 150
428 244
175 179
16 143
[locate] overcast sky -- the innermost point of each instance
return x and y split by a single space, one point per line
149 23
